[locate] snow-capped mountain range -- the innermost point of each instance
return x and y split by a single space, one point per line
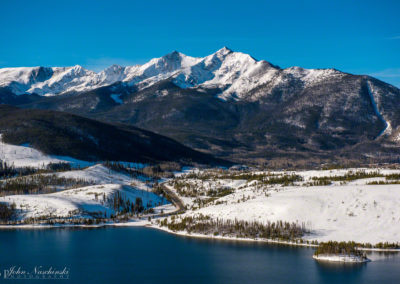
235 73
227 104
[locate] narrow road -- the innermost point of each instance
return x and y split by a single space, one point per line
175 200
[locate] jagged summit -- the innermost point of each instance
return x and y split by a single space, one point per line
225 50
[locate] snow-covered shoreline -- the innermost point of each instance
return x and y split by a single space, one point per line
341 258
270 241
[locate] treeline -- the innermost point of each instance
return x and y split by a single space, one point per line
349 176
350 248
9 170
188 189
220 191
152 172
284 179
382 245
264 178
381 182
39 183
234 228
228 174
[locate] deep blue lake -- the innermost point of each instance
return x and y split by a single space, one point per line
142 255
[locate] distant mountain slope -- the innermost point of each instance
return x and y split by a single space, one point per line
231 105
65 134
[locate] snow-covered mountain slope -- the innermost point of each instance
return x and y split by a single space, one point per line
48 80
59 80
59 134
25 156
235 73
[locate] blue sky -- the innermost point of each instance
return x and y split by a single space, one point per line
361 37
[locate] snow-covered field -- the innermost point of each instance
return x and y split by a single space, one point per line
342 211
363 213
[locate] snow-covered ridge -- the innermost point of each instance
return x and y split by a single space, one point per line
235 73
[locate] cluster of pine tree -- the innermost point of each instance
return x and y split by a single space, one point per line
53 220
242 229
38 183
319 182
219 191
151 172
350 176
122 205
6 170
9 170
265 178
387 245
121 168
342 248
214 174
7 212
188 189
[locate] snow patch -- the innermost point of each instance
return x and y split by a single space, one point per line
341 258
388 127
117 98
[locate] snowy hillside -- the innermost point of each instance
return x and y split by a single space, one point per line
97 200
24 156
78 202
358 204
68 197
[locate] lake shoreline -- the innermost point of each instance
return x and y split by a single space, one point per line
147 224
270 241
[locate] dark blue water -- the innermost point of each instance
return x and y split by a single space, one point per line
141 255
